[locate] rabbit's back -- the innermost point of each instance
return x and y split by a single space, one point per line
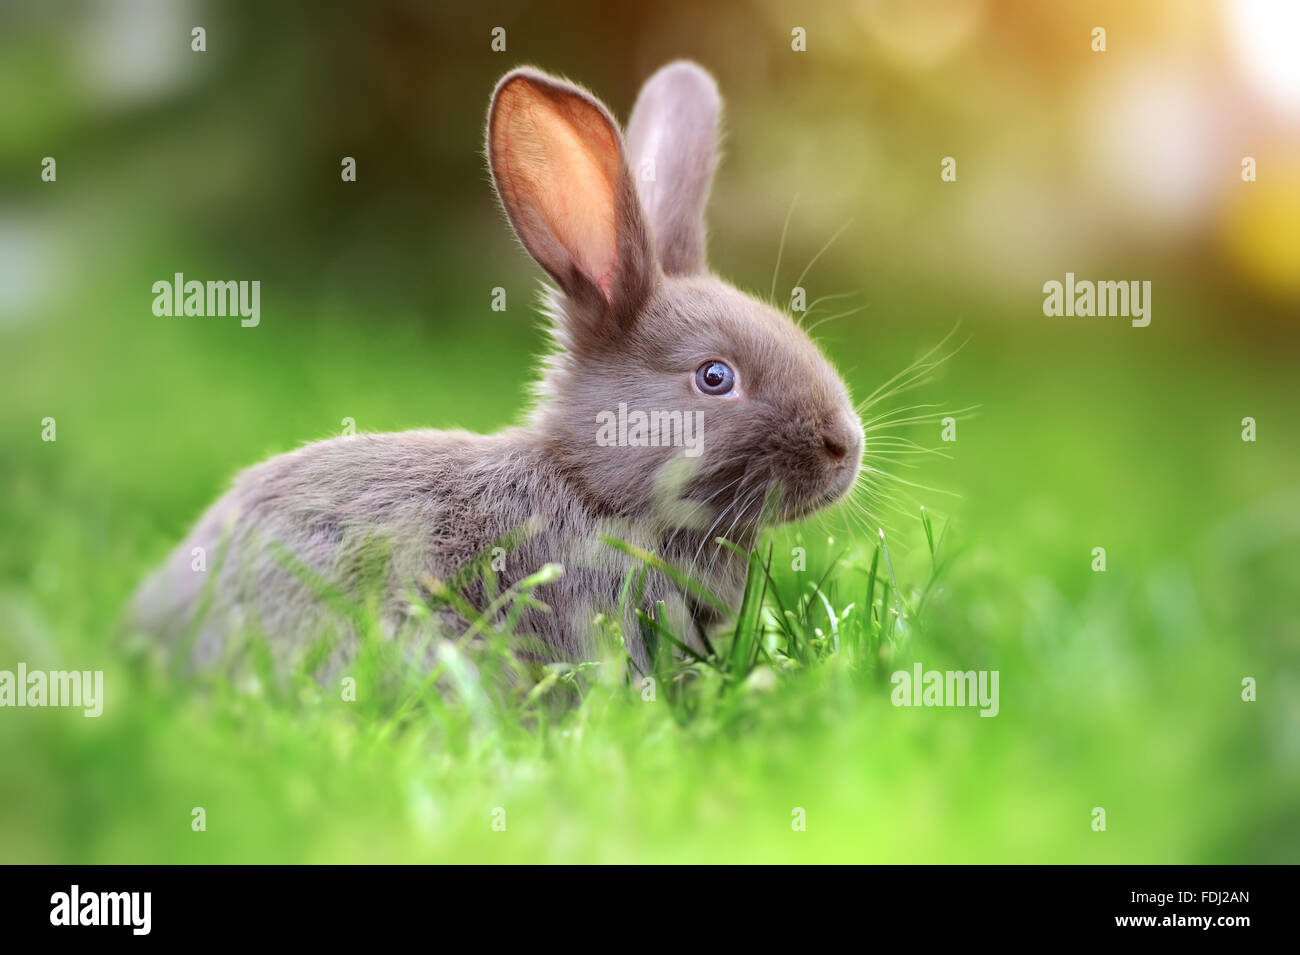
305 537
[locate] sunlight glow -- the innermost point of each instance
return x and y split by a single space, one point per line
1267 39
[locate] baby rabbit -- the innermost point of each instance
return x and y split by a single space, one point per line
643 332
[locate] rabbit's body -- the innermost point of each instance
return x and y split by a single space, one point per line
380 517
640 327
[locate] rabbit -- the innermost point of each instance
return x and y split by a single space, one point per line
639 324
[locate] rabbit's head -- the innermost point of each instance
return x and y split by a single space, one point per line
671 395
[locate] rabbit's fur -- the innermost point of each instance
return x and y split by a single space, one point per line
635 313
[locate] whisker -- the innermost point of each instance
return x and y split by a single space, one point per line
912 375
668 543
708 535
929 418
902 409
829 243
901 480
830 318
780 250
812 307
903 452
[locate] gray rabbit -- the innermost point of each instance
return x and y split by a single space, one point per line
643 333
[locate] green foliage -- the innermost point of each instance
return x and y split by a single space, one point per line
1120 689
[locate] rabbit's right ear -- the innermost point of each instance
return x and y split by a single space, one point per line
673 141
557 162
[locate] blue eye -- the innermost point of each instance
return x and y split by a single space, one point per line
715 378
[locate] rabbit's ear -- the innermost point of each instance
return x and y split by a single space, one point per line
673 144
557 162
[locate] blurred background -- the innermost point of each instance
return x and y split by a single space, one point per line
376 301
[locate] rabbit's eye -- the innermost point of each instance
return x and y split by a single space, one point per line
715 378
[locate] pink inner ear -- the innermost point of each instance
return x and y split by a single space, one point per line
558 164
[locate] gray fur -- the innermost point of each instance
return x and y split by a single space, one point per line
430 502
672 141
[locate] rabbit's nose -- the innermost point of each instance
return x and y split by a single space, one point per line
841 439
835 446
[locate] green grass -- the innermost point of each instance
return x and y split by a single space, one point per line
1119 689
791 712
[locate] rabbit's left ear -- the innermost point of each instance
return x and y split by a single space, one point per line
672 143
558 164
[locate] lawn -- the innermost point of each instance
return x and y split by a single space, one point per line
1119 689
